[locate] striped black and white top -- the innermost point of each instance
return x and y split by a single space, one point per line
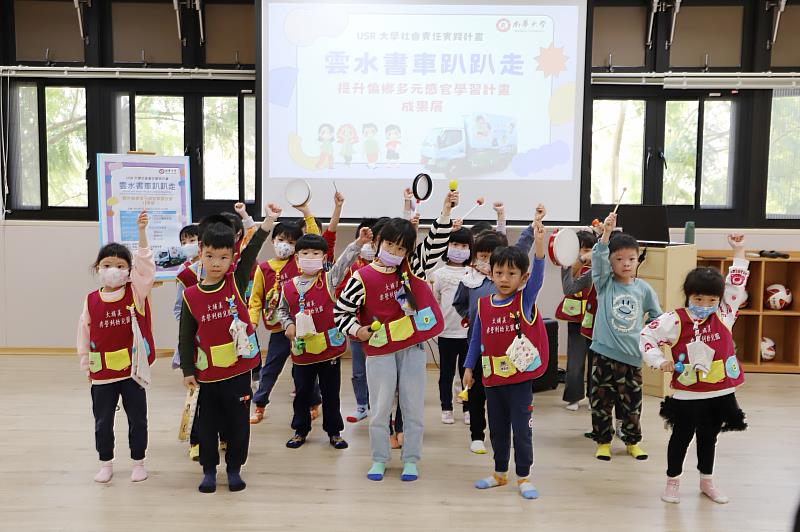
421 261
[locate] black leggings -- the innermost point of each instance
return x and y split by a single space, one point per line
701 418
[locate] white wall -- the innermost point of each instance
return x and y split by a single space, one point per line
44 276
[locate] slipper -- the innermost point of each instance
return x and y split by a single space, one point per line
772 254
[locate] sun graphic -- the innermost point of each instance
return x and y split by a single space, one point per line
551 60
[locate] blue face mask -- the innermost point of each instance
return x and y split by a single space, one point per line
702 312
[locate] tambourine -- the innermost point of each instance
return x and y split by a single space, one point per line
422 188
563 247
298 192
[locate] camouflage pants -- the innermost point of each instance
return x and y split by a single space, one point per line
616 383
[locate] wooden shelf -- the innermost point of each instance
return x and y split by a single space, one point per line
757 320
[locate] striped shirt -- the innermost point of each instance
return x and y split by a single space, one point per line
421 261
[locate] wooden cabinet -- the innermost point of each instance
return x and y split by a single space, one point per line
665 269
757 320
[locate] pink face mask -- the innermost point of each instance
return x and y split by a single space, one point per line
309 266
389 259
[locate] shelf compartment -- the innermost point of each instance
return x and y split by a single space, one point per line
785 332
787 274
747 339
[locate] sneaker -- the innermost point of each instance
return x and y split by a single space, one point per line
194 453
358 414
337 442
603 452
709 490
296 441
636 451
670 494
447 417
139 473
467 419
314 412
258 415
106 472
477 447
572 407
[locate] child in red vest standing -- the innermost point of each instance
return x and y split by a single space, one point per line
705 370
106 343
389 306
316 349
218 348
509 337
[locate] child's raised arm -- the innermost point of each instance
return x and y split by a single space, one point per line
435 244
143 272
338 202
735 281
601 266
311 223
347 258
536 279
500 209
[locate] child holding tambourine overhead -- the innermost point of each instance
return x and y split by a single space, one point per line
390 307
115 322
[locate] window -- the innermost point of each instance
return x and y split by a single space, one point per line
783 190
159 124
220 147
619 33
717 164
249 148
67 155
122 122
617 148
680 152
24 149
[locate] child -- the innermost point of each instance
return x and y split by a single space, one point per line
576 282
477 283
503 320
316 354
704 403
370 144
453 341
269 280
213 314
106 342
623 301
392 294
365 257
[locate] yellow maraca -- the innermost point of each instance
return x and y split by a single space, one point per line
464 394
375 325
453 188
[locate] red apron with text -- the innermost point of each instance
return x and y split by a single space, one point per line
329 342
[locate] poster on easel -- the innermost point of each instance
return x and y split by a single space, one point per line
130 183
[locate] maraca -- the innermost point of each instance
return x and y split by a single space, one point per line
453 187
679 365
463 394
375 325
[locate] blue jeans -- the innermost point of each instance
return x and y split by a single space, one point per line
277 354
360 389
405 371
509 409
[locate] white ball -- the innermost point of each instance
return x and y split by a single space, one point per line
767 348
778 297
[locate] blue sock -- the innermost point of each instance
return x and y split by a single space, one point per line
376 471
209 483
409 472
235 482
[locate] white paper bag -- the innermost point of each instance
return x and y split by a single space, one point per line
700 356
140 366
304 324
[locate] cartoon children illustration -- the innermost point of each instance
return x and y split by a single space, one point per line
371 148
482 127
325 159
347 136
393 144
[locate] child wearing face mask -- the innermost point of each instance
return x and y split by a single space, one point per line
316 350
218 349
704 368
269 280
389 306
453 341
105 343
624 303
475 284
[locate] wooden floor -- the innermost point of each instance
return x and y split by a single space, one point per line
48 461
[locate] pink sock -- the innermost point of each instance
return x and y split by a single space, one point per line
105 473
139 473
711 491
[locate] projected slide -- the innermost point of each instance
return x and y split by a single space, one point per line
490 95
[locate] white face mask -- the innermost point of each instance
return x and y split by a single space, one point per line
368 252
190 250
310 266
283 250
113 277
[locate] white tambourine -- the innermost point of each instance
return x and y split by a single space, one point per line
298 192
564 247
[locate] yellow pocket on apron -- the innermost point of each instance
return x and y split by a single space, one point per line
401 329
202 360
223 356
95 362
118 360
315 344
716 374
486 365
502 367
